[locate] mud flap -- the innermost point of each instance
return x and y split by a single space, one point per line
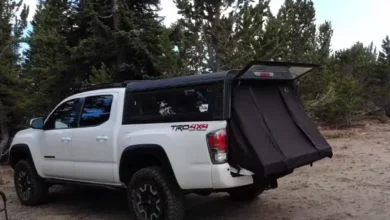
271 134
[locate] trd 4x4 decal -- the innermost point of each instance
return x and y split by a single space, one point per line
191 127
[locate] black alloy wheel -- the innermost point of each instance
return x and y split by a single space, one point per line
153 195
23 185
30 187
148 200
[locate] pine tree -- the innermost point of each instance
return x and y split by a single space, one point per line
228 34
174 59
316 85
342 101
297 19
81 42
324 38
98 76
202 21
381 81
12 25
384 55
359 62
257 33
124 35
48 59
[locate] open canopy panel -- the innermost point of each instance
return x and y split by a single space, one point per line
271 133
274 70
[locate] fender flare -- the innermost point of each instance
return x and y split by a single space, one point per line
153 150
19 148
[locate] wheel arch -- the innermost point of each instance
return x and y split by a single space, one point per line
19 152
136 157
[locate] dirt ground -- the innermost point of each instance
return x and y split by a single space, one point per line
354 184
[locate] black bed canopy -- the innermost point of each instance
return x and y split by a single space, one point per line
255 70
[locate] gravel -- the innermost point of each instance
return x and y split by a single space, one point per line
354 184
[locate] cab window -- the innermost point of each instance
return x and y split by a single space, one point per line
96 110
65 116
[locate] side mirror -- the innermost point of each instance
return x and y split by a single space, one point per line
37 123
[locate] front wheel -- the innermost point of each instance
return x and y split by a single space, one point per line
246 194
152 196
30 187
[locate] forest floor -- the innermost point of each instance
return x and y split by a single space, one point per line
354 184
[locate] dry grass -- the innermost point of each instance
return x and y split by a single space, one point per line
373 119
338 134
5 175
347 131
352 185
344 147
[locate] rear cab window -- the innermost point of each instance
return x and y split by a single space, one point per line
190 103
96 110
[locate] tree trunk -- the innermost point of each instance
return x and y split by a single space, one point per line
120 57
215 38
116 14
4 130
387 108
4 139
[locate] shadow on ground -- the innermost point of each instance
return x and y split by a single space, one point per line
97 203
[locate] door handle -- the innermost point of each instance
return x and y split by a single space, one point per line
101 138
65 139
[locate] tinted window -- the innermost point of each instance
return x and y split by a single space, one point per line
96 110
64 116
173 103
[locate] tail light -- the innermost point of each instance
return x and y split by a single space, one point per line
264 74
217 142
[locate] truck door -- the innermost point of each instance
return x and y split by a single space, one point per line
93 141
57 140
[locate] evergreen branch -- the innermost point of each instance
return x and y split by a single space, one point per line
314 103
4 50
106 17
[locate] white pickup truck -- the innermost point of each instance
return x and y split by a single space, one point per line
235 132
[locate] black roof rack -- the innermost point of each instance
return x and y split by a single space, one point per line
135 85
98 86
176 81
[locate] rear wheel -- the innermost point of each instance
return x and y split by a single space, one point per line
152 196
246 194
30 187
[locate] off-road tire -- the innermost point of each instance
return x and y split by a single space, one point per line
246 194
38 188
168 192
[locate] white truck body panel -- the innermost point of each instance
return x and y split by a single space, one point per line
92 154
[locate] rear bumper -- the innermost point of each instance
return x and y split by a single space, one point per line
222 178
